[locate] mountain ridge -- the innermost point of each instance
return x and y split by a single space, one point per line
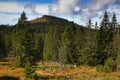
48 19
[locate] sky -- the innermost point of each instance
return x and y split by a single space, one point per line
78 11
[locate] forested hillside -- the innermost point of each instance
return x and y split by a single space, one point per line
53 39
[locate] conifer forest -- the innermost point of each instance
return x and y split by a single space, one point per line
56 41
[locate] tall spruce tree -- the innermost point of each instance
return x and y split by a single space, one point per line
112 27
112 33
68 47
89 24
103 40
3 51
96 25
80 43
23 42
117 47
52 43
114 22
22 19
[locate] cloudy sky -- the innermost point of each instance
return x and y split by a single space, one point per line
78 11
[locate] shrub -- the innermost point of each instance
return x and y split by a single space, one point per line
29 71
99 68
108 67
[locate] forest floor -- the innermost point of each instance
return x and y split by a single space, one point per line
51 71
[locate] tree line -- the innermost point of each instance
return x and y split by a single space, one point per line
61 41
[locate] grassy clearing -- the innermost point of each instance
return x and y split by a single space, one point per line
53 72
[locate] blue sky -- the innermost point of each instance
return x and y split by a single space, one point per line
78 11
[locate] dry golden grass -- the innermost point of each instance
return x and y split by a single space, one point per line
6 70
39 20
82 73
78 73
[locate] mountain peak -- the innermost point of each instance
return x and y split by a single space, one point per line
48 19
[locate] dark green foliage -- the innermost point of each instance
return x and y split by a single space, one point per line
89 23
86 45
111 47
20 61
23 43
3 52
22 20
116 48
39 46
114 22
103 40
96 25
29 71
52 43
99 68
68 48
108 67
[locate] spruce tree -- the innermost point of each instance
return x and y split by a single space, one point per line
103 40
2 47
89 23
96 25
52 44
22 19
23 42
114 49
68 45
114 22
112 33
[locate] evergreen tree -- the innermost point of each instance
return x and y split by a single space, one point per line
28 44
112 33
116 48
80 43
3 53
89 23
68 45
112 27
52 43
96 25
103 40
39 46
22 19
114 22
63 55
23 42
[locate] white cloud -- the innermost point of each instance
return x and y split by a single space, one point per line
42 9
77 8
114 9
10 7
53 9
28 7
31 7
93 9
37 9
96 8
10 11
67 6
99 4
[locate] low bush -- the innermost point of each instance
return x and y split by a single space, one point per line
108 67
